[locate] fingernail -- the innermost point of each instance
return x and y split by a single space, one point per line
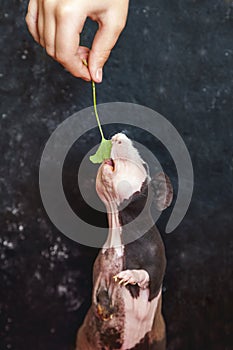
99 75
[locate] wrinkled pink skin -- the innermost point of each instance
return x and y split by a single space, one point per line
133 318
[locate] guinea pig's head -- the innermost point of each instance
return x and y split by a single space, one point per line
123 174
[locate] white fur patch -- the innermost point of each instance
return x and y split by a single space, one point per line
139 317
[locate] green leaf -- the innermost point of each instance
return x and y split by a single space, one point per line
103 152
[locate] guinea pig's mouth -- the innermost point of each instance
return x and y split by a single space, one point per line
110 162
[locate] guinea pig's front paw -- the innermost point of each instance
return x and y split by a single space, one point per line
139 277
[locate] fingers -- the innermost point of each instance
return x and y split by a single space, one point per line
32 19
67 43
57 24
104 41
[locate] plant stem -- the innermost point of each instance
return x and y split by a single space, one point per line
95 110
94 102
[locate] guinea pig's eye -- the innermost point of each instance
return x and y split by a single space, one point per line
119 142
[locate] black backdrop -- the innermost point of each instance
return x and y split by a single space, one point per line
176 58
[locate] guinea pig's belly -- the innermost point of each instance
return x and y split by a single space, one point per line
138 317
131 317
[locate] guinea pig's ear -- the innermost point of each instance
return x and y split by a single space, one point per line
163 191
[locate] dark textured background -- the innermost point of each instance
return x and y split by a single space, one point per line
176 58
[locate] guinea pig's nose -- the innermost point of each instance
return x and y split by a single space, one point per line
124 131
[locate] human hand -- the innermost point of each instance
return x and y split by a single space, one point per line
57 24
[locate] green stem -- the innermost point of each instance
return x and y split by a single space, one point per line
95 110
94 102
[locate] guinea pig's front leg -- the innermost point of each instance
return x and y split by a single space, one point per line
139 277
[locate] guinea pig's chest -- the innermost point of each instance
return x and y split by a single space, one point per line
109 262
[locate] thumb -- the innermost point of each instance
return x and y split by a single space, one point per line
104 40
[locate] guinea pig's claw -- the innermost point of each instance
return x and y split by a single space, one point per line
121 282
115 278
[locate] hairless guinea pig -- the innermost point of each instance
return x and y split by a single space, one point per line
127 278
